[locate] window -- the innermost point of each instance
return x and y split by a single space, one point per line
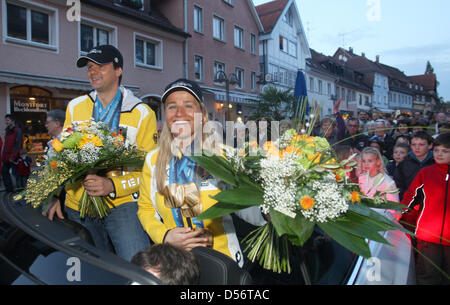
311 84
198 19
283 44
218 28
91 36
148 52
218 66
30 24
238 37
240 76
253 43
320 87
288 18
230 2
253 81
292 48
329 89
198 68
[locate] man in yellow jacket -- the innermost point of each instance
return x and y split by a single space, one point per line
121 110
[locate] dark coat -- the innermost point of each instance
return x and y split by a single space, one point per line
407 170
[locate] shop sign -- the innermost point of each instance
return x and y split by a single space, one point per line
20 105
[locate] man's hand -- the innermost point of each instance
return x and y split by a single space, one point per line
54 207
98 186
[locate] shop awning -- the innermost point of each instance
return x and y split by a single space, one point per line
19 78
235 97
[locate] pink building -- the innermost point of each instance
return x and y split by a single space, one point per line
224 37
41 40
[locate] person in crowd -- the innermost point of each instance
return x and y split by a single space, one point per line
442 128
382 134
11 150
353 137
23 164
403 139
363 118
372 169
166 217
343 152
441 117
401 151
378 144
55 122
420 156
420 125
402 129
432 231
116 106
170 264
370 126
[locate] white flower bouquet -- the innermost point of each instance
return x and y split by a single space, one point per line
85 147
299 184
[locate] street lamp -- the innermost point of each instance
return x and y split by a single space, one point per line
232 79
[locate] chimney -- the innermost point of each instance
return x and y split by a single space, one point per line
363 54
377 59
350 50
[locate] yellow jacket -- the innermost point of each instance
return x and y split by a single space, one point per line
157 219
140 122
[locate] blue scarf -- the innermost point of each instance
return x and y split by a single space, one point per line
183 170
111 114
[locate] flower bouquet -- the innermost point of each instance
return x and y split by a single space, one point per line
83 148
299 183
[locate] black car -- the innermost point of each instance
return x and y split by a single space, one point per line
34 250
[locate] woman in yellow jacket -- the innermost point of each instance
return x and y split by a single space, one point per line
169 173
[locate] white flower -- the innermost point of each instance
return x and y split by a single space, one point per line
329 203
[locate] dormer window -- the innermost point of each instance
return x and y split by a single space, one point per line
289 18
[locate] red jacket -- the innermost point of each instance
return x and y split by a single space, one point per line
12 145
433 223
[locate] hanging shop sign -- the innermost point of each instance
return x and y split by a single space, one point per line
27 105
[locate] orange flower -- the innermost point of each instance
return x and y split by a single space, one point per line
53 164
271 149
307 203
253 144
57 145
355 197
338 177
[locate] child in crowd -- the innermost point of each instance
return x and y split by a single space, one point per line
23 168
378 144
401 151
431 190
373 177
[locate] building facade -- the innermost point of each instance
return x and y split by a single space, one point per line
283 45
222 51
41 41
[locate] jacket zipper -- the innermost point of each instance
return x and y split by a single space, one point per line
445 202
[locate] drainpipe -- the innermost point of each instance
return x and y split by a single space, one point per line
186 53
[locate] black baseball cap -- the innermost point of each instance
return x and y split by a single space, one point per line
184 85
101 55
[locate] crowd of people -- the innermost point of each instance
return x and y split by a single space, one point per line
412 153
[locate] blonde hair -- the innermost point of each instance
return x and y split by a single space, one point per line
376 152
165 149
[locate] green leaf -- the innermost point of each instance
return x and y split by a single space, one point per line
362 226
215 168
243 196
220 209
298 229
350 241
